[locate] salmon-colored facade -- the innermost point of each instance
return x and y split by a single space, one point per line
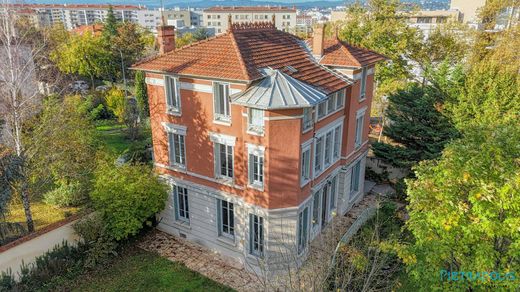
292 145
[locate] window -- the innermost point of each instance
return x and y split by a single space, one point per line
255 120
321 110
332 204
331 103
303 221
256 165
307 119
337 142
182 211
177 149
316 209
363 82
176 144
306 164
354 178
318 155
359 129
328 148
224 160
256 235
226 219
340 98
173 102
221 102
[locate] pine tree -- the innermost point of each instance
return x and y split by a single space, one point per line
416 125
110 26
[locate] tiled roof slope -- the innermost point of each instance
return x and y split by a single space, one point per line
336 52
240 54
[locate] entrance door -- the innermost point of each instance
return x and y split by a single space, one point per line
324 199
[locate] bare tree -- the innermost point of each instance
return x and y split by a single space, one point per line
19 95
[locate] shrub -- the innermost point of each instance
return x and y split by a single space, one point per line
100 245
139 152
65 195
127 196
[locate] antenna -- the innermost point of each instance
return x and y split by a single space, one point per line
162 14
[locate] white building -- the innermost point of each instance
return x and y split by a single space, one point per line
217 17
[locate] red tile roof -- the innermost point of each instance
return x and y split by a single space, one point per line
240 53
339 53
250 9
95 29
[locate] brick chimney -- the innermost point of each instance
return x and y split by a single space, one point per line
166 38
318 38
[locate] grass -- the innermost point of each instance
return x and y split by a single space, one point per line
112 135
43 214
140 270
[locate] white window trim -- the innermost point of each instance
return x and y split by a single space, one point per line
306 146
225 237
363 83
178 217
353 194
360 113
251 236
222 139
307 223
305 130
176 111
259 151
322 133
250 128
227 120
177 130
342 92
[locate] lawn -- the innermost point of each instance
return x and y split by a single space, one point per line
112 135
139 270
43 214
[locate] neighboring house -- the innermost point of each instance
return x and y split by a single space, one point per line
262 136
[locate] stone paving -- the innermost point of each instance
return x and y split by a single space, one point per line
217 268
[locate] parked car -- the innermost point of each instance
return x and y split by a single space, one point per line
79 85
102 88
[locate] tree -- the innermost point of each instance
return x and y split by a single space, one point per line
84 55
127 196
127 46
465 210
184 40
141 94
200 34
116 102
417 125
19 96
379 27
110 26
63 148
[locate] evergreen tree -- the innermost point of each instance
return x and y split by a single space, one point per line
141 94
110 26
416 125
200 33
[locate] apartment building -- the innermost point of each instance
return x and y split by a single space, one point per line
216 17
75 15
262 137
184 18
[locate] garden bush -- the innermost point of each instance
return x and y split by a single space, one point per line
65 195
127 197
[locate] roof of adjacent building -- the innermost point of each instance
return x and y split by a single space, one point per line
242 52
279 91
250 9
339 53
94 29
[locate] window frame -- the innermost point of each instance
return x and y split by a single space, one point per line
258 152
171 108
230 216
320 153
173 130
363 84
253 128
218 161
307 119
356 169
303 230
177 207
305 173
360 123
217 116
256 235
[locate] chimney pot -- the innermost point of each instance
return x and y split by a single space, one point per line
318 39
166 38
